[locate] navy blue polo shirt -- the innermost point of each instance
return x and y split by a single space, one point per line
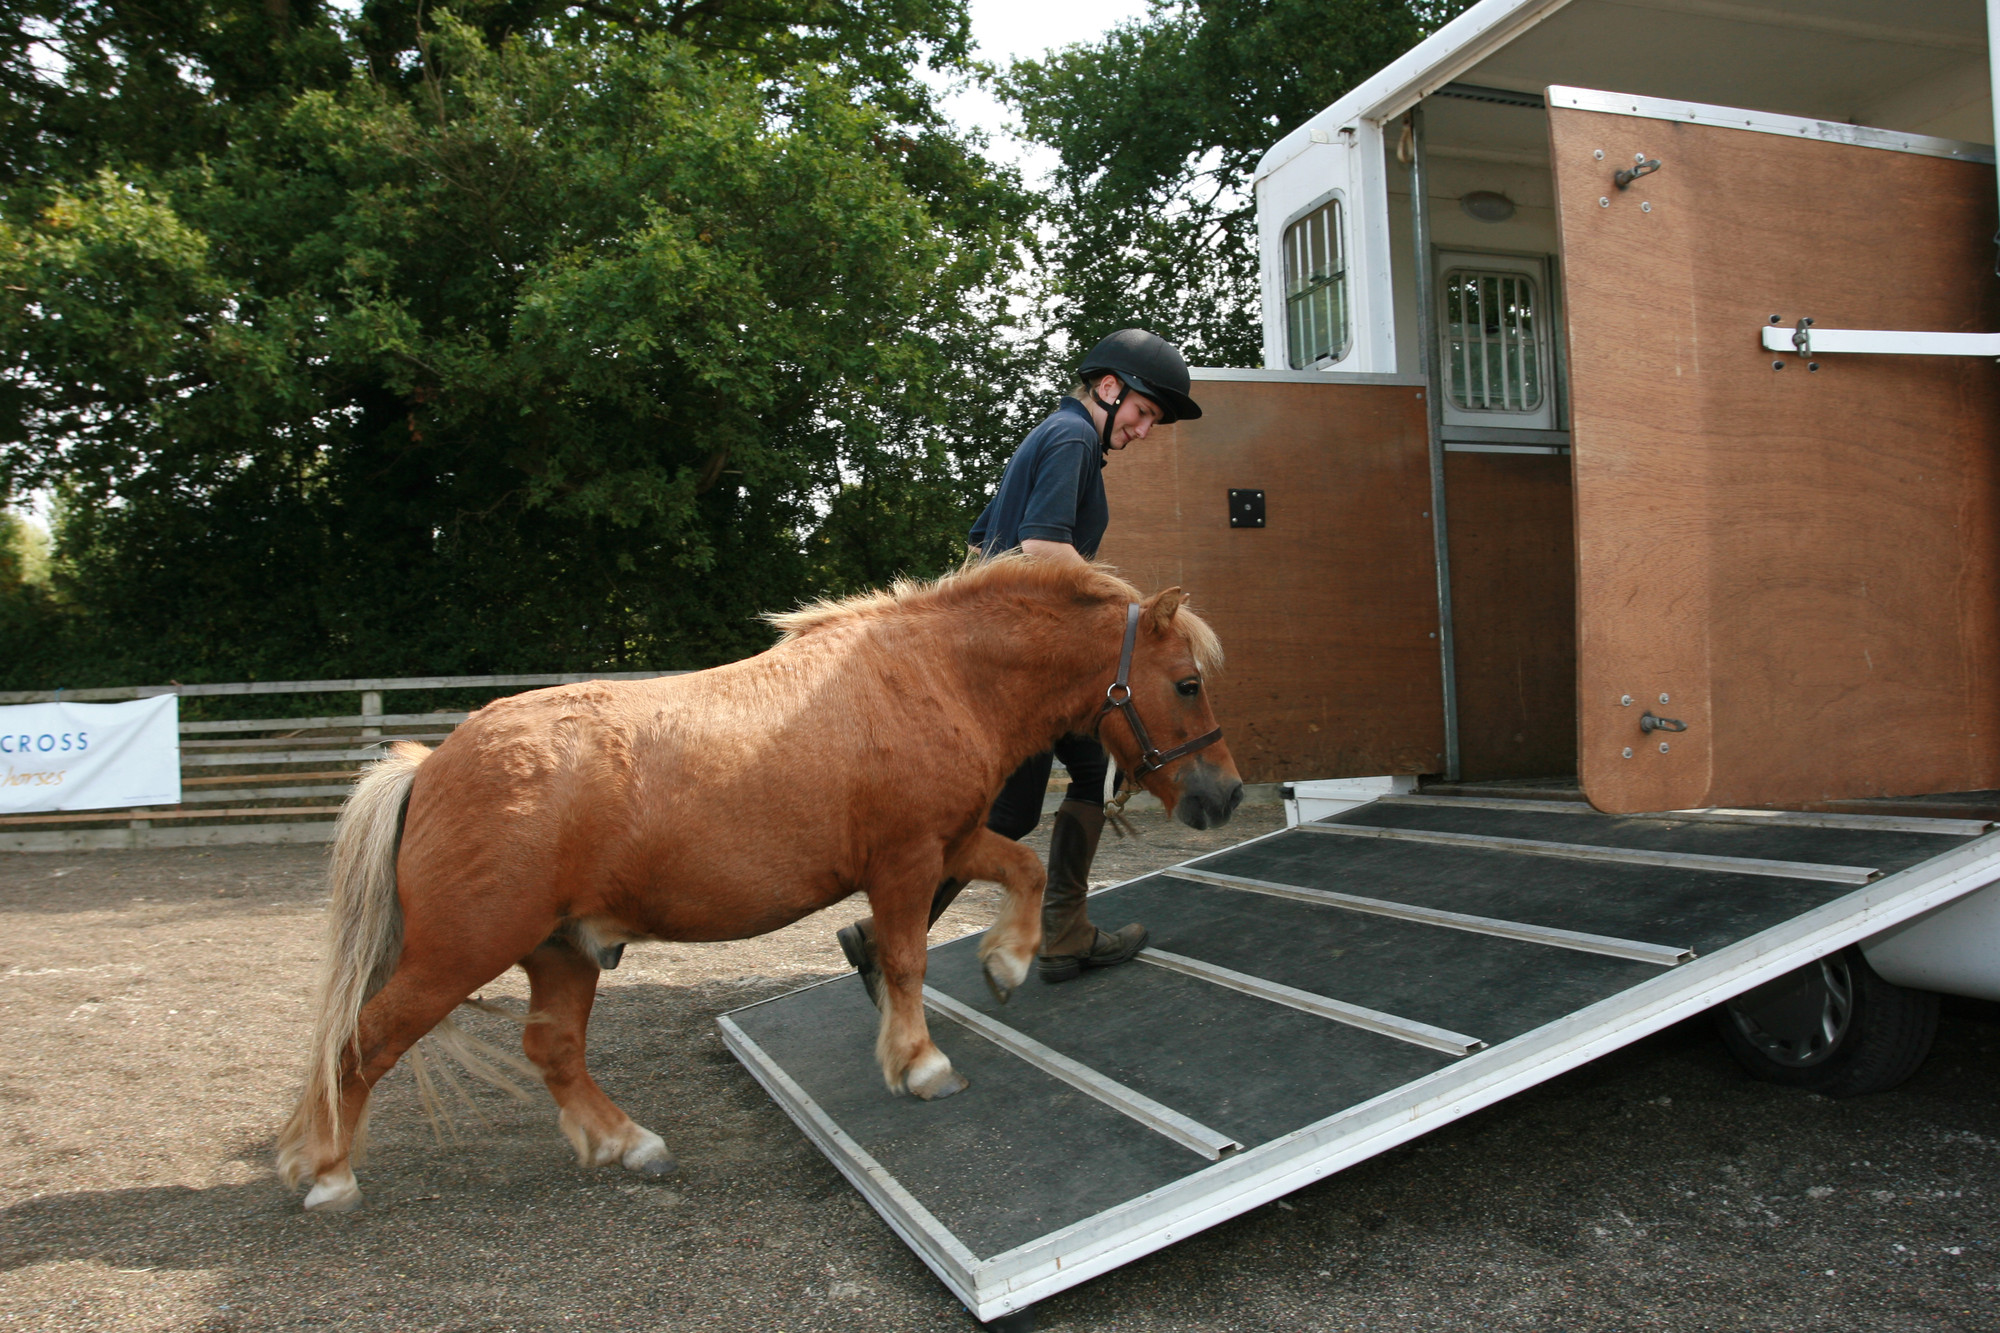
1052 490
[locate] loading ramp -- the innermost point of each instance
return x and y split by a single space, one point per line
1312 998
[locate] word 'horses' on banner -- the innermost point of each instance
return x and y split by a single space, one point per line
90 756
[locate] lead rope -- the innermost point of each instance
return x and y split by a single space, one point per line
1114 810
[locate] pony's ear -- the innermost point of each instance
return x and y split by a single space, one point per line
1160 608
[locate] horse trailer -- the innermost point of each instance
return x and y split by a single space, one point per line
1625 464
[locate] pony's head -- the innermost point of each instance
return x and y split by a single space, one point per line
1163 732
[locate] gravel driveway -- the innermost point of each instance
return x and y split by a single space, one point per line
153 1006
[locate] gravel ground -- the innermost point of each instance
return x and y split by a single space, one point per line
154 1011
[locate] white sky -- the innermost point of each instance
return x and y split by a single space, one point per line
1004 30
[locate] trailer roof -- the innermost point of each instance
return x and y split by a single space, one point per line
1857 61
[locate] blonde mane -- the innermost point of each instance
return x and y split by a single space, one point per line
1010 572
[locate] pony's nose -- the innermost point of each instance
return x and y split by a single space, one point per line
1207 799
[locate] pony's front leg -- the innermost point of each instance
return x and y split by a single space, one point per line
1016 934
910 1061
562 987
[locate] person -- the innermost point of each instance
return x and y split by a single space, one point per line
1051 505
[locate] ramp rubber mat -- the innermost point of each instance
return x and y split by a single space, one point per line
1311 998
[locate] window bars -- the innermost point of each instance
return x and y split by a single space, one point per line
1492 340
1316 287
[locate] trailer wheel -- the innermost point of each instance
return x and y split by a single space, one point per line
1833 1027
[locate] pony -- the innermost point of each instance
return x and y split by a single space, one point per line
858 754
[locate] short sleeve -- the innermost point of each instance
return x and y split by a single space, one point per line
977 537
1050 514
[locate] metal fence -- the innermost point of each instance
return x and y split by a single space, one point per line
260 780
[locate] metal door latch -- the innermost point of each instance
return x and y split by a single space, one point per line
1808 340
1650 724
1641 166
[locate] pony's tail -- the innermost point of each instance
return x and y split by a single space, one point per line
364 938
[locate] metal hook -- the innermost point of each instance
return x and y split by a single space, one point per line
1643 167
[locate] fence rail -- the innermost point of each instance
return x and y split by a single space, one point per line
263 756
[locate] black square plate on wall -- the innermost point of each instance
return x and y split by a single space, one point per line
1246 508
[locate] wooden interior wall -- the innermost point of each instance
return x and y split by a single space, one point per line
1328 614
1513 602
1804 563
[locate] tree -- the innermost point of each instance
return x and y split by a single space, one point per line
1159 126
527 338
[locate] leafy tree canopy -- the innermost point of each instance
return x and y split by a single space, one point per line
1159 125
511 336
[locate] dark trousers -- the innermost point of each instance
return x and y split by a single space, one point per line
1019 806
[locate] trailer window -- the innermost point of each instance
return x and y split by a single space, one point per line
1492 340
1316 287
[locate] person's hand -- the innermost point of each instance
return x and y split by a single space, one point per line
1042 550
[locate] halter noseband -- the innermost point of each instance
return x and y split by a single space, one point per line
1119 696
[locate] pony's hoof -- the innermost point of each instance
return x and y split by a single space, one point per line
942 1086
1003 975
649 1156
335 1192
933 1078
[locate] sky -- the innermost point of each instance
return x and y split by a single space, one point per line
1005 30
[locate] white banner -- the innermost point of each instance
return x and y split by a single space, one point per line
90 756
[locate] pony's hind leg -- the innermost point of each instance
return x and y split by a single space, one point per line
419 995
1008 949
910 1060
562 986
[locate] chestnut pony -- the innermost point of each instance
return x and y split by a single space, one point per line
859 754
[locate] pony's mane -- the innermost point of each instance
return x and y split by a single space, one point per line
1012 571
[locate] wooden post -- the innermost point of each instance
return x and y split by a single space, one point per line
371 707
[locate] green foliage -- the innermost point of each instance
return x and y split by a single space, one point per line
537 338
24 553
1159 126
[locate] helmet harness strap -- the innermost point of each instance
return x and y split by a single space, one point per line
1110 409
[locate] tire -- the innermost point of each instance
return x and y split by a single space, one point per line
1833 1027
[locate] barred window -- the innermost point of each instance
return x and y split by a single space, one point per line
1316 287
1492 340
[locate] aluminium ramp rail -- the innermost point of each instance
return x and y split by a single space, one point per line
1312 998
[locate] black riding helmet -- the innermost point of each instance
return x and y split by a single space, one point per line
1146 363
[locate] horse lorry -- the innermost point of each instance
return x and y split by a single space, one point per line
1625 465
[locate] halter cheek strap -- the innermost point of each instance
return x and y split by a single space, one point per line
1119 697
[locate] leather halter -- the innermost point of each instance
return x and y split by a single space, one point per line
1119 696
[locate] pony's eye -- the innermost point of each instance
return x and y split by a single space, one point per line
1189 688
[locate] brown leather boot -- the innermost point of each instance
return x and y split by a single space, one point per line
858 940
1070 943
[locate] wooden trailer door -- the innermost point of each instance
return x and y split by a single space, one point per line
1327 605
1799 564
